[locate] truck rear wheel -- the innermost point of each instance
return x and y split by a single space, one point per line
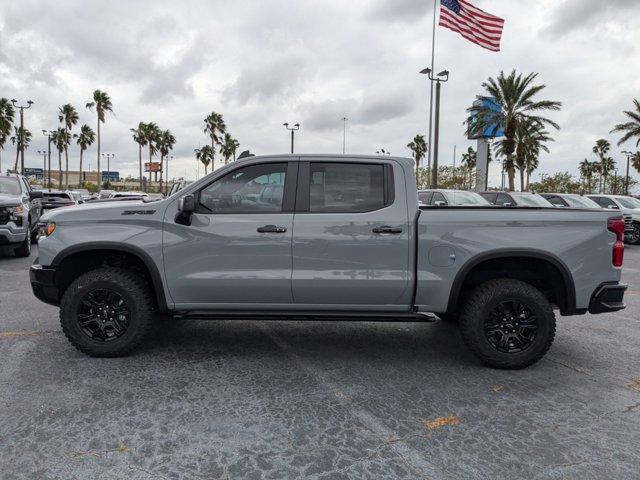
107 312
507 324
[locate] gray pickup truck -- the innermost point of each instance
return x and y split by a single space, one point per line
326 236
20 210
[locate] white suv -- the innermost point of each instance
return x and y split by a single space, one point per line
630 209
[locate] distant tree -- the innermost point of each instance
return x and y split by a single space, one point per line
21 139
84 139
418 147
102 103
140 139
214 126
631 128
587 170
166 141
68 116
514 95
203 155
601 148
228 147
60 140
635 161
469 159
7 115
558 182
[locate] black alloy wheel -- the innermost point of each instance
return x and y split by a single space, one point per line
103 315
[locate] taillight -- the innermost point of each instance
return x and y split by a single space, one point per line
616 225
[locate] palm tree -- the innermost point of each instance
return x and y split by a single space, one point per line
21 139
469 162
60 139
607 165
514 97
139 138
151 133
228 147
7 115
601 148
68 115
102 103
587 169
204 155
530 137
85 138
418 148
214 125
635 161
166 141
631 128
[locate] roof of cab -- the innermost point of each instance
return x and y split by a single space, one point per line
329 156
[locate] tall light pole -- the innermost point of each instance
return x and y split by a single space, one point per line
22 108
440 78
166 187
44 163
292 130
344 134
108 156
48 134
626 178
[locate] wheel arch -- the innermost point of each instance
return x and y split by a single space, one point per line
97 251
564 287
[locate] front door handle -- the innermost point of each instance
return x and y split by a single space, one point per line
387 229
272 229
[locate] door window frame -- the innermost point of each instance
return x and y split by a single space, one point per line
303 194
288 194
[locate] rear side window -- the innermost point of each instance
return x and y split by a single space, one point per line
605 202
348 187
438 199
504 200
557 201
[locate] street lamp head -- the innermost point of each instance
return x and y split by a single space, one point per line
286 124
30 102
425 71
44 132
14 101
444 73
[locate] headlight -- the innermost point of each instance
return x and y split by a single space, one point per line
47 229
15 214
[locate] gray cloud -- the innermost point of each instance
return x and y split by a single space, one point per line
574 15
399 10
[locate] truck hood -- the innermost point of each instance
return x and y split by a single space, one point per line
9 200
103 211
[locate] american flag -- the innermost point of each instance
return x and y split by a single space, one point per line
472 23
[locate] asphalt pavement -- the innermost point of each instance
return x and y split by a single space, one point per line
325 400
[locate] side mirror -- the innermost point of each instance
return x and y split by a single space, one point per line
186 207
613 207
35 194
187 204
440 203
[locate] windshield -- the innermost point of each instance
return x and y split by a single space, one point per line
628 202
9 186
530 200
580 202
465 198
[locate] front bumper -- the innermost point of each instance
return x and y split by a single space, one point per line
608 297
43 284
9 236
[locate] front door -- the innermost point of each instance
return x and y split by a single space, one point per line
237 251
351 236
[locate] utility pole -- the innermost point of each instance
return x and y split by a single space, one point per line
22 108
440 78
344 134
292 130
108 156
44 163
166 173
626 178
48 134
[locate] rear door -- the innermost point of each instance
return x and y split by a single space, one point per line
351 236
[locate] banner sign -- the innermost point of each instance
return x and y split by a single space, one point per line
152 167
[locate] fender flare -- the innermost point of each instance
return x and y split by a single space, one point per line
156 278
569 306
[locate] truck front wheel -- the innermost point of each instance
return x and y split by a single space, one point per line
107 312
507 324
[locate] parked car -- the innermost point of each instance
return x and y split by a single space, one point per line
179 185
57 198
630 209
20 210
105 194
346 239
515 199
443 198
572 200
82 194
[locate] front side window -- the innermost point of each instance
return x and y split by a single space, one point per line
252 189
438 199
347 187
628 202
557 201
504 200
605 202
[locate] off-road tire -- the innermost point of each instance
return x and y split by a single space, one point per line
448 318
133 289
476 310
24 250
636 234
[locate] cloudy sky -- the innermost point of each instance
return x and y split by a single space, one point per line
264 62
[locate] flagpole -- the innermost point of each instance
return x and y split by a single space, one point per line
433 52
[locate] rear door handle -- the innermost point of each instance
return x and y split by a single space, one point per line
387 229
272 229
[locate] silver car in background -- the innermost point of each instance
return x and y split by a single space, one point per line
443 198
569 200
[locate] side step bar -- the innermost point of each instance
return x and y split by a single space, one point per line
288 315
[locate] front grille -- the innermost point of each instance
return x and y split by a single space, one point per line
4 216
628 222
